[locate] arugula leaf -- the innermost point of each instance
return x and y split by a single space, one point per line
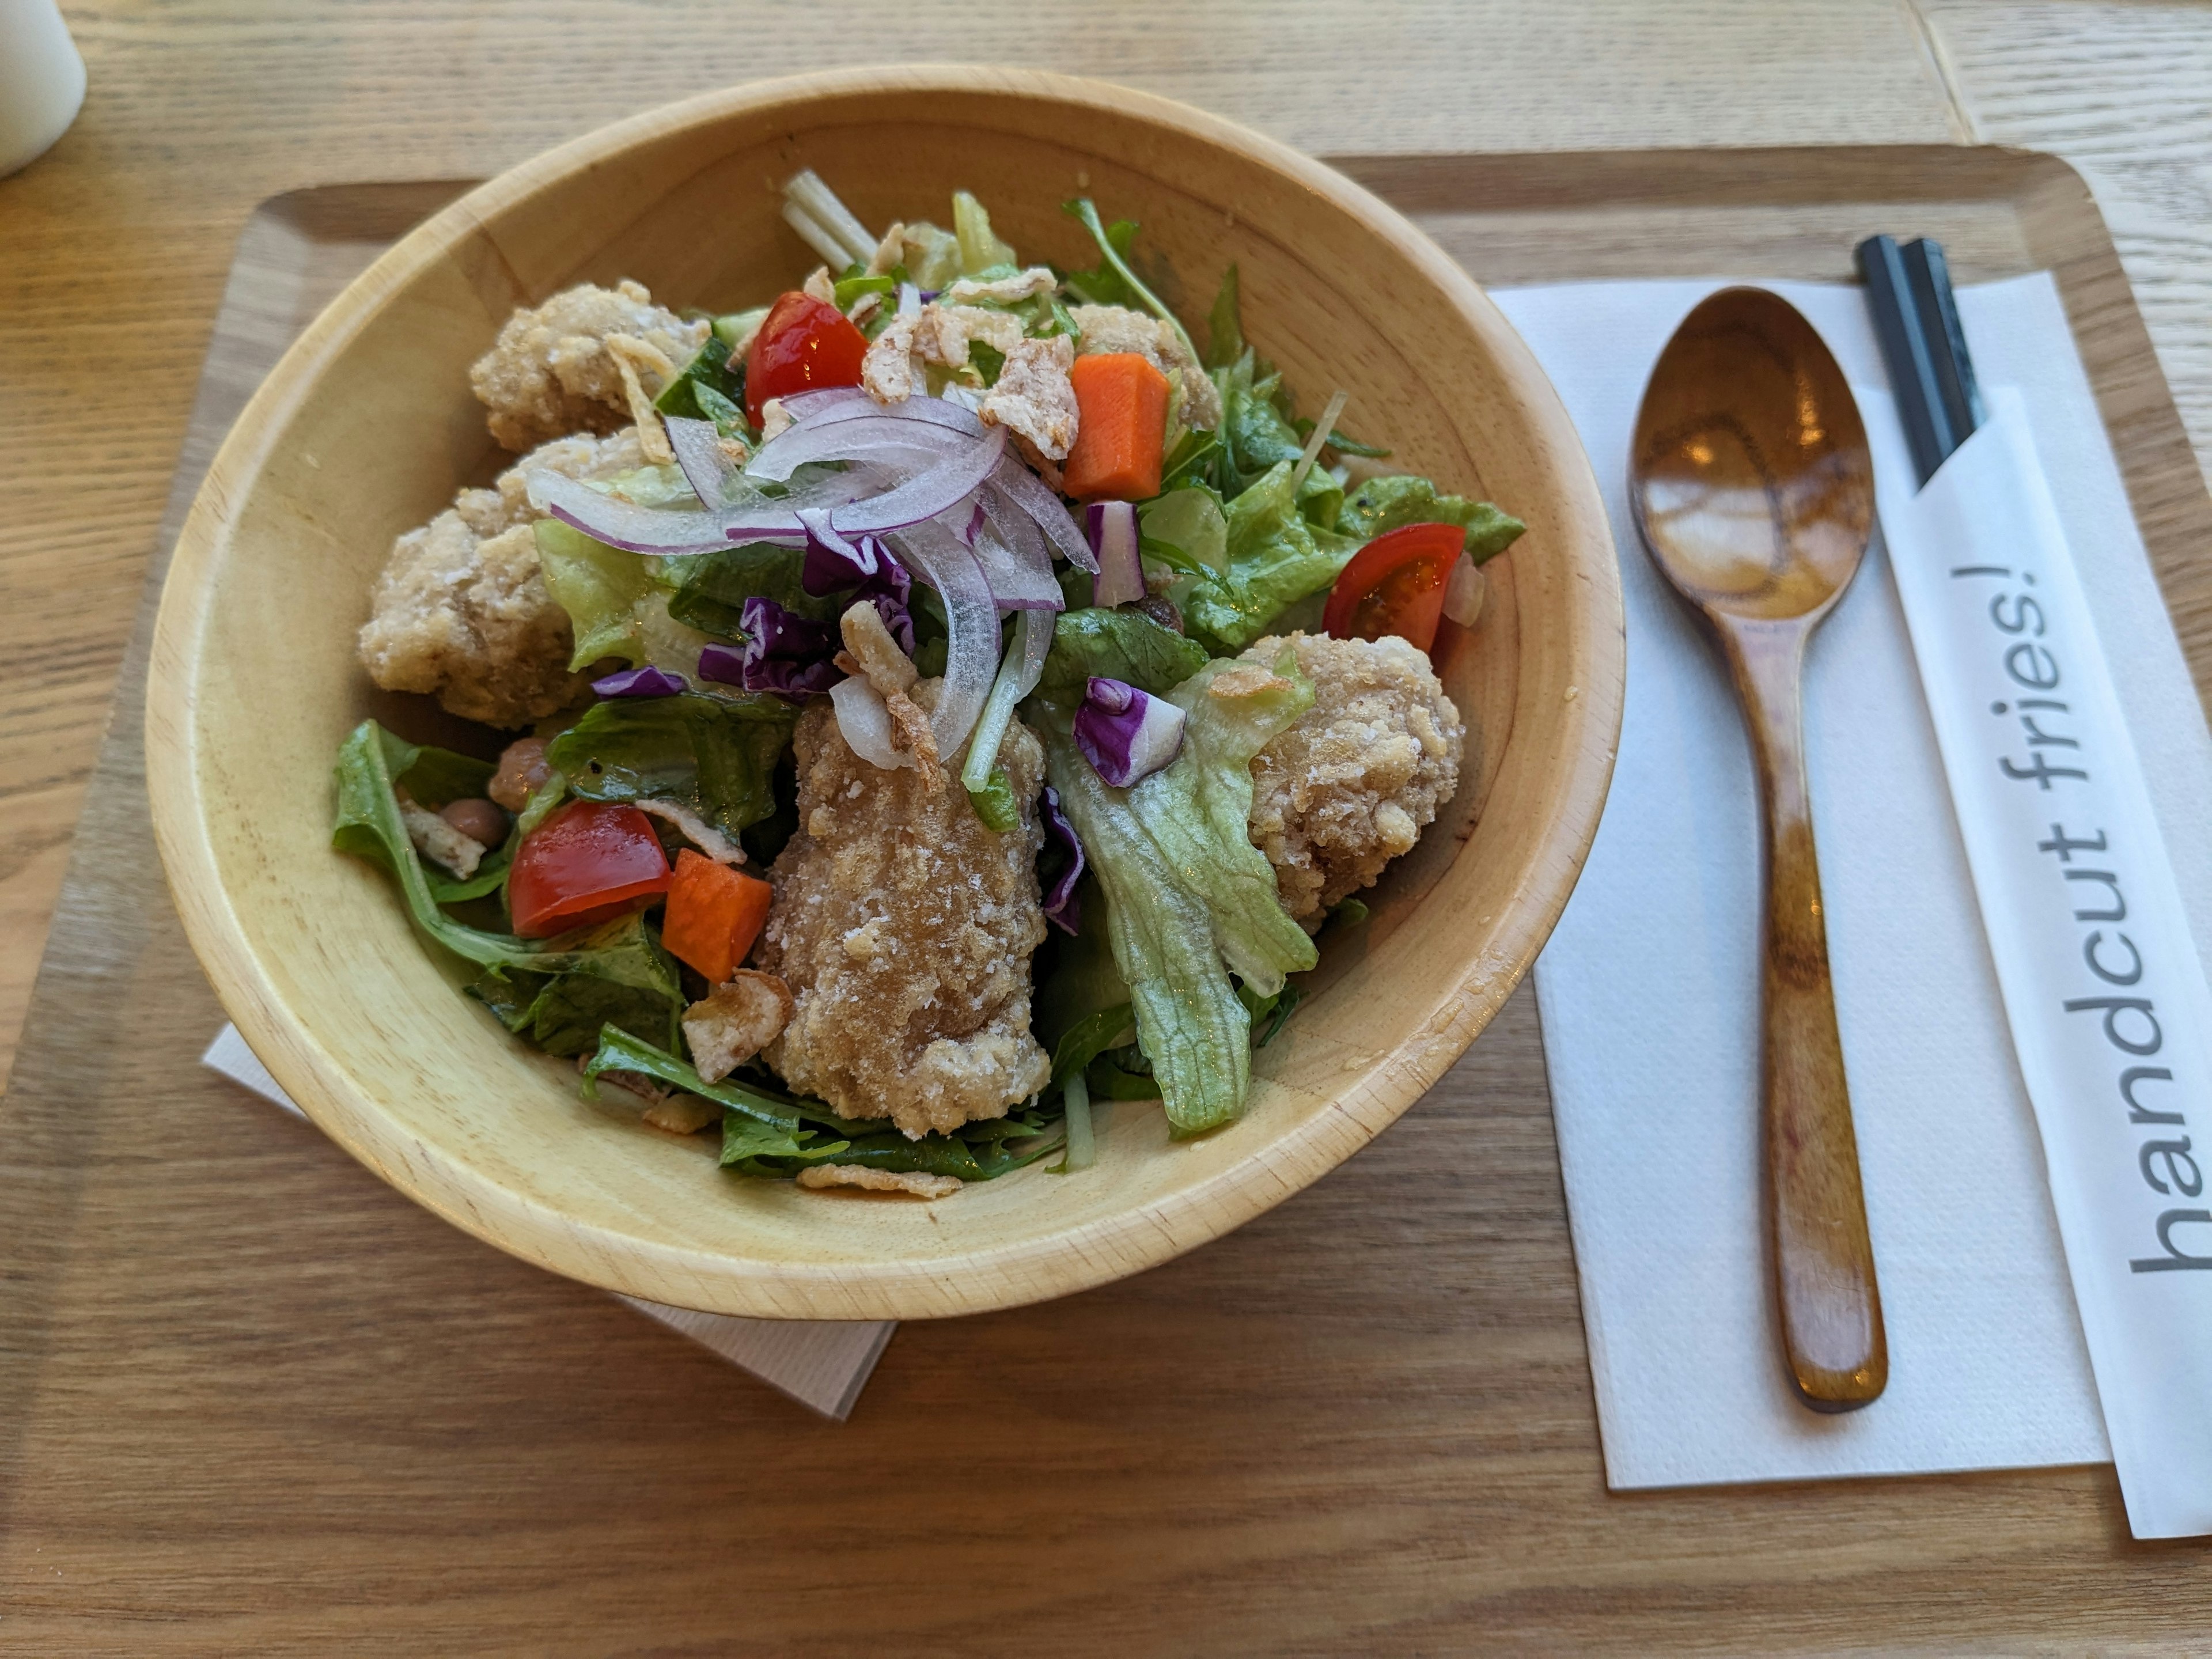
714 755
633 987
1105 286
1090 1037
1387 502
1120 645
765 1134
1224 330
1339 442
1276 557
1114 258
368 826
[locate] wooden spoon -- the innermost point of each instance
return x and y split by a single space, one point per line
1754 490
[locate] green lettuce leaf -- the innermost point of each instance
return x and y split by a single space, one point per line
1225 332
981 250
1387 502
711 387
714 755
1120 645
1188 897
711 588
1276 556
1187 529
633 986
600 586
369 825
764 1134
1105 286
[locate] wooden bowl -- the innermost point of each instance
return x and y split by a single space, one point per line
367 428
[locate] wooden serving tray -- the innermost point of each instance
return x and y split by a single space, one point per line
251 1398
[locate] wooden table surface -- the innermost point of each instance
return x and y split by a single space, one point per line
112 251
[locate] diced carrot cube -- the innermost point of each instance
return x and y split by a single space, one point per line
715 914
1121 423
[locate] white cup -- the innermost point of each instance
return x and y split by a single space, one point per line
41 81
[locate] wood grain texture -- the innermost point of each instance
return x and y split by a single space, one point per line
252 1401
367 428
2124 93
113 247
1753 491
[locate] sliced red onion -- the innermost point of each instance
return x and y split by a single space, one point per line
1062 907
711 473
971 618
1017 583
1126 734
645 682
851 403
1027 491
1113 529
1465 593
880 439
926 496
636 529
865 724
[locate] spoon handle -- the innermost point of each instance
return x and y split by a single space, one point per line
1825 1286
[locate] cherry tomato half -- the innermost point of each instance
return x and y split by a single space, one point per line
802 346
1395 585
588 863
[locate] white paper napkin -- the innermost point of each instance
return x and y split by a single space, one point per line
821 1363
1649 987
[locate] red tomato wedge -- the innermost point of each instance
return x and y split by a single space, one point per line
715 914
1395 585
803 345
588 863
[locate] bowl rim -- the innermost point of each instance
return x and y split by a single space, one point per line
1053 1262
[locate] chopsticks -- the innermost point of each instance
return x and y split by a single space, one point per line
1916 317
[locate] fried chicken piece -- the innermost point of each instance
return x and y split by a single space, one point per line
552 371
903 926
1350 785
461 612
1105 329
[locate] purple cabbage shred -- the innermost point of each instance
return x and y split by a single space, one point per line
1062 906
645 682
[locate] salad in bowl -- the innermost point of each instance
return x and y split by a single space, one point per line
932 699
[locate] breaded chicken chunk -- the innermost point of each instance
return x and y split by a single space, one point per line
903 926
1350 785
559 368
461 611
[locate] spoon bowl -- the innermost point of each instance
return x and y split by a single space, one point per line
1753 484
1752 488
